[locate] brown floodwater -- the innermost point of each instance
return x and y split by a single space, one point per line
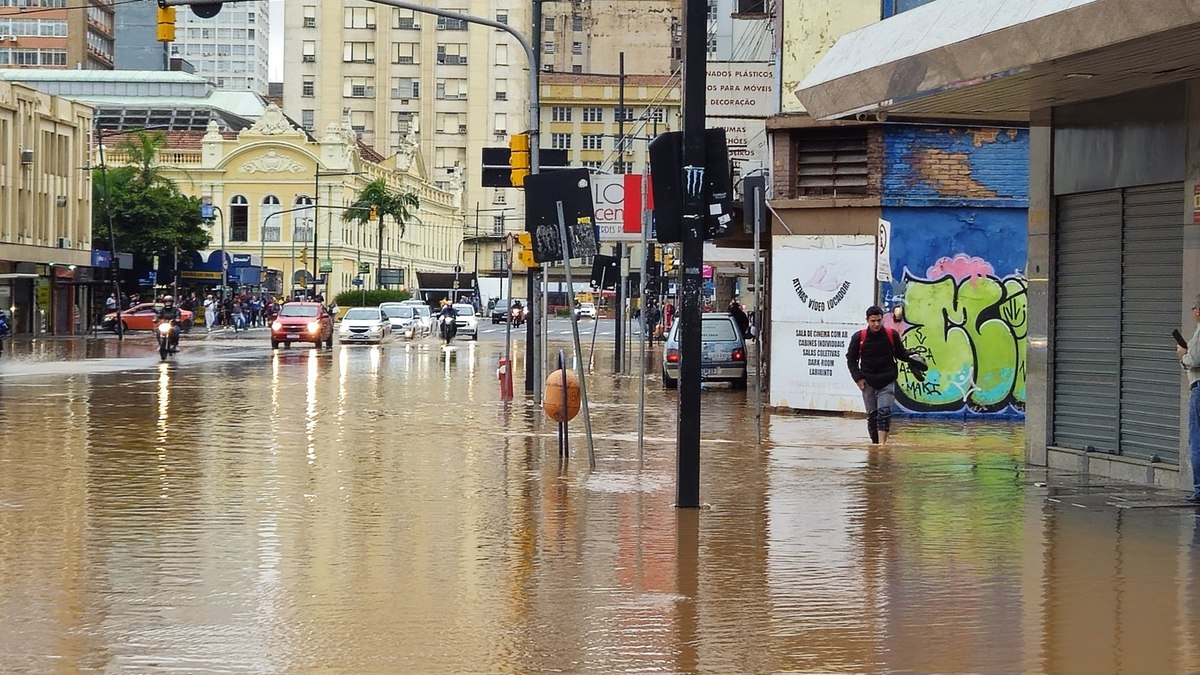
380 510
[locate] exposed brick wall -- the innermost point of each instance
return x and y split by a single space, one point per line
955 166
782 170
876 157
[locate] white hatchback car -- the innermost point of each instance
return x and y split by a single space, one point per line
585 310
468 323
364 324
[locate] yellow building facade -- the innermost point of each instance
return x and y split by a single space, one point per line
280 197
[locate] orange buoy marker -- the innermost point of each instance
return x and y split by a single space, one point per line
555 402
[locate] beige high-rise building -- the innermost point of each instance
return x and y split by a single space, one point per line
589 37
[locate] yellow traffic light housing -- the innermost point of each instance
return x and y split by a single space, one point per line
166 24
374 212
518 158
525 255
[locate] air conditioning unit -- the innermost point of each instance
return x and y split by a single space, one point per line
403 101
27 157
64 242
370 92
462 128
549 67
309 58
500 133
310 22
369 60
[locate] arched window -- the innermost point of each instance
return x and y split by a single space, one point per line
303 221
239 218
271 224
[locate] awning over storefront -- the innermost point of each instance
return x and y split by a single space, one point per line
1002 59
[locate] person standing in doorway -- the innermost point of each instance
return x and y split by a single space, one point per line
1189 358
871 356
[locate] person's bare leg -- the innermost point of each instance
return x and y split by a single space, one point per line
883 437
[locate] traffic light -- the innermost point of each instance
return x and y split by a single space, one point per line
166 24
204 10
518 158
374 212
525 255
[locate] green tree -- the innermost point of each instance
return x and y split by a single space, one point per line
148 218
141 148
401 206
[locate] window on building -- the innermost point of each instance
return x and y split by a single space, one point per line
500 261
576 68
831 162
560 141
658 115
308 119
502 16
451 89
358 52
358 87
406 52
454 54
501 90
304 220
498 197
271 225
405 19
239 218
308 88
500 124
751 7
593 114
548 24
310 16
593 141
712 10
560 113
498 224
451 123
893 7
625 113
446 23
308 51
712 45
576 23
593 164
502 55
576 47
358 17
403 123
548 47
622 167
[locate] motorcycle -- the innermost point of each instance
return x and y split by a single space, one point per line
447 328
167 333
516 316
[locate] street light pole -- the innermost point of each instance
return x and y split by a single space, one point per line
113 263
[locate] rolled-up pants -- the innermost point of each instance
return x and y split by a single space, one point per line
878 403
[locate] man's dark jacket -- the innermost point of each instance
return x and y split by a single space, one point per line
875 361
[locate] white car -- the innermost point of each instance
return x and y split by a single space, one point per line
585 310
364 324
467 322
413 321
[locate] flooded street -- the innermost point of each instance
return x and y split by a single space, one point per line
378 509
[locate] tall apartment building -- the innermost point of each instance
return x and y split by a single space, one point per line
588 37
56 34
403 77
137 46
231 49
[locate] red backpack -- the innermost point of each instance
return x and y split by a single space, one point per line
862 337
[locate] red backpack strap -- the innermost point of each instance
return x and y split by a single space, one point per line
891 334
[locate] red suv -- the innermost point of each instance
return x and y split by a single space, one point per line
302 322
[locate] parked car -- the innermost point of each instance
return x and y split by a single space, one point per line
468 324
585 310
302 322
722 352
364 324
141 317
500 311
411 321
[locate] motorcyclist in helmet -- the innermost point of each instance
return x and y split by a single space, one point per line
168 312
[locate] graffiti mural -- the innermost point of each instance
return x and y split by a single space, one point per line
970 325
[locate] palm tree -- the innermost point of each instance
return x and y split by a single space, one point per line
141 148
378 200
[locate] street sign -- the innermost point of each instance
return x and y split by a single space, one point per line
357 281
390 276
325 266
364 268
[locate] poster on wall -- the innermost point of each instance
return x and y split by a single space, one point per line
820 288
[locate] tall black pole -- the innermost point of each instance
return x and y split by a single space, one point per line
533 348
619 315
687 489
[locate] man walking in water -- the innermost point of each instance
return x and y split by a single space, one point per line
872 356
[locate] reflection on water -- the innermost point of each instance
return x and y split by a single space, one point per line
377 509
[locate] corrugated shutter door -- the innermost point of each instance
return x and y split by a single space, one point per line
1151 292
1087 303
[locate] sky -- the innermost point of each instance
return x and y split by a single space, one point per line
275 57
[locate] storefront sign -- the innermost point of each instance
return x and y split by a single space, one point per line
820 289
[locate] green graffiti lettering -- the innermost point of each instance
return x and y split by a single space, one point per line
972 333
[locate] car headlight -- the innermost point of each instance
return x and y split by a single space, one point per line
276 326
314 326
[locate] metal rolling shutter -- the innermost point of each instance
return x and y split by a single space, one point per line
1151 293
1087 321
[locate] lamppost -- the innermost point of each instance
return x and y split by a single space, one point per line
317 173
207 209
113 264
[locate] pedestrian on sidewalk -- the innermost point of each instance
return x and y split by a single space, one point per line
211 309
872 356
1189 358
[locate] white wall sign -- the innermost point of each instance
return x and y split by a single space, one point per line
820 289
883 252
740 89
745 137
618 203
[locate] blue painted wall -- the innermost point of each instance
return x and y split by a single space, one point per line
956 166
957 200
